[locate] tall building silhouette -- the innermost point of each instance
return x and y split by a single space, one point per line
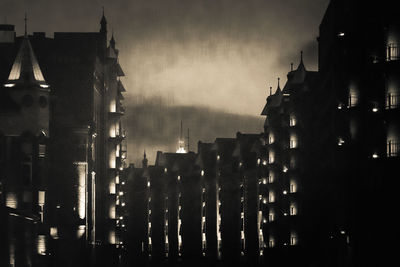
79 134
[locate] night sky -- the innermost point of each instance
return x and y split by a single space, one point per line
215 55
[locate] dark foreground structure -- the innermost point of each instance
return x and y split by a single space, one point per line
62 150
317 188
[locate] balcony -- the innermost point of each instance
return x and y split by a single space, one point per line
392 52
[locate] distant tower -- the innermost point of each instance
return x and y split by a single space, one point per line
103 24
144 161
112 41
181 143
29 90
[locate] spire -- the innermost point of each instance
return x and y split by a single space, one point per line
181 143
144 161
270 90
103 23
279 87
301 65
112 41
26 69
26 27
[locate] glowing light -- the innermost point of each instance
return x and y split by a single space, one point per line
179 177
44 86
81 169
264 181
41 244
293 239
202 173
293 209
112 188
148 184
111 237
375 156
181 149
271 198
285 169
340 141
341 34
111 211
218 157
258 161
54 232
284 192
374 109
123 204
9 85
11 200
122 193
81 231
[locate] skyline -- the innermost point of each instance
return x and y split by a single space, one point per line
195 53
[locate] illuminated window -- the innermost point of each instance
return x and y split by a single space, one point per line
271 158
353 100
42 150
271 242
293 142
271 178
392 101
271 139
292 120
41 244
293 186
392 148
293 239
392 52
293 209
271 197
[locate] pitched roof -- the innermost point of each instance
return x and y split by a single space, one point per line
25 68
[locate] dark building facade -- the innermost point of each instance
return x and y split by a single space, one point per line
201 207
82 135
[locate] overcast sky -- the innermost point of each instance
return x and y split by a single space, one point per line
221 54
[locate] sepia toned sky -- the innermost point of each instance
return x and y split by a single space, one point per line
221 54
209 63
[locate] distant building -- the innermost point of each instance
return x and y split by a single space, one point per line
200 207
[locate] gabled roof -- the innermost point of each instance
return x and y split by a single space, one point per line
25 68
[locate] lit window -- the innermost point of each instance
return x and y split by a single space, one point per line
258 161
392 52
271 138
392 148
271 216
292 120
293 239
271 197
271 242
293 142
293 186
353 100
392 101
271 178
293 209
42 150
271 158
